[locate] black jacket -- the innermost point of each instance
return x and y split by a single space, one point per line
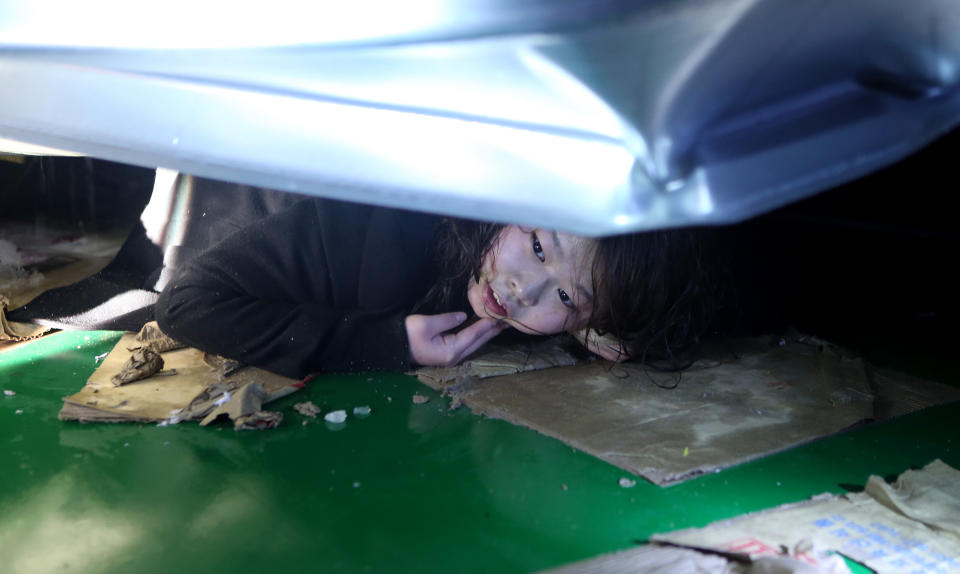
322 286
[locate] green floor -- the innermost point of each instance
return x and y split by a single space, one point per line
411 488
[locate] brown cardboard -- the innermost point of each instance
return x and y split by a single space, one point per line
185 395
857 525
741 401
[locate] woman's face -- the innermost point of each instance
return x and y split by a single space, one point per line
535 280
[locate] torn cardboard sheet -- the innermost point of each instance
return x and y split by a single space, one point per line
498 361
656 559
930 496
196 391
651 559
244 403
749 399
807 536
874 531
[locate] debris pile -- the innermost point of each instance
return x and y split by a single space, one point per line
307 409
198 386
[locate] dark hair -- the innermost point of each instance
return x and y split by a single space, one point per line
654 291
459 248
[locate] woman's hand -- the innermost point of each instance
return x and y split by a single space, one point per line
432 345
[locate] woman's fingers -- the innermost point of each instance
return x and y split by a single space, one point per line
436 324
475 336
431 343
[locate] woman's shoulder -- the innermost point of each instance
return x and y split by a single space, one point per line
346 221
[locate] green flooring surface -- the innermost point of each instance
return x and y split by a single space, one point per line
411 488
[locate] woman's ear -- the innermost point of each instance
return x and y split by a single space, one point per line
606 346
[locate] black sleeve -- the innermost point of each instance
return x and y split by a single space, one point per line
323 286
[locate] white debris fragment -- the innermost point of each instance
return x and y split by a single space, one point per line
100 357
223 399
627 482
361 412
336 417
7 393
174 418
419 399
18 412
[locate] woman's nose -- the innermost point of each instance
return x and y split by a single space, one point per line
527 288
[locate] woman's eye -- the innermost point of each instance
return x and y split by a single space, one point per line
537 248
564 298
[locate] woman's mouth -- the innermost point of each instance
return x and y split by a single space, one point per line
491 302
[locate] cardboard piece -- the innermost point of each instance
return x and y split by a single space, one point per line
258 420
857 525
930 496
657 559
498 361
152 338
15 331
749 399
245 401
143 363
651 559
190 394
